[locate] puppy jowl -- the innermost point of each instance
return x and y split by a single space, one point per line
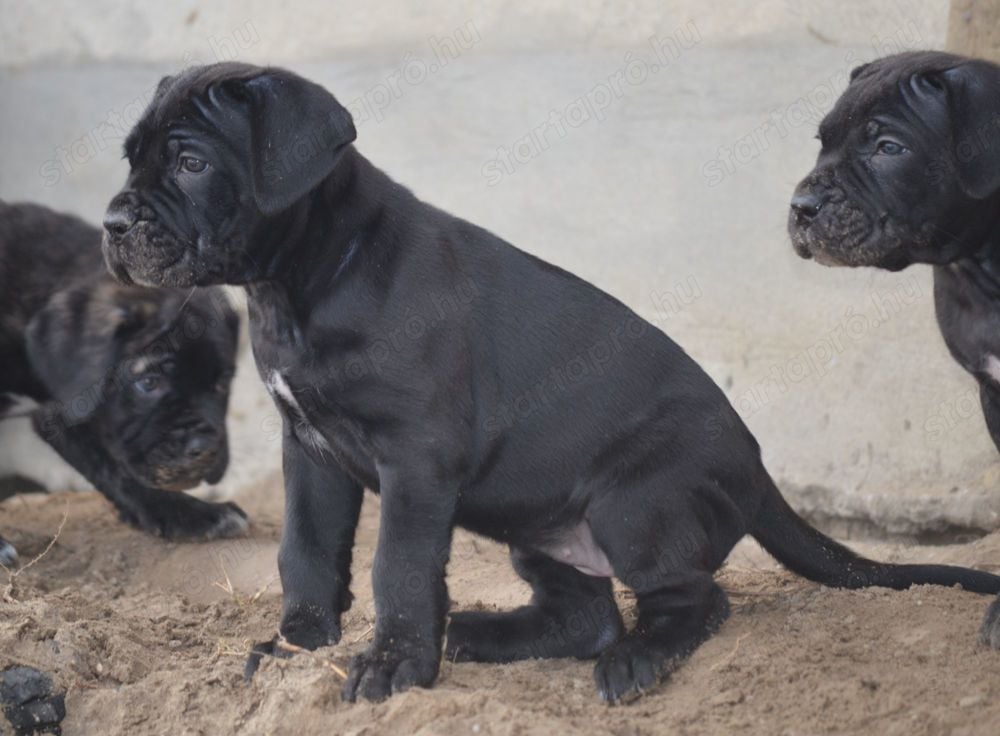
614 474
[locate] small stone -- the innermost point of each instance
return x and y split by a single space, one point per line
970 701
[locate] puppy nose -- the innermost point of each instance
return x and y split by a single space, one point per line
119 220
806 205
197 446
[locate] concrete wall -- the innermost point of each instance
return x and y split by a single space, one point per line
670 192
70 31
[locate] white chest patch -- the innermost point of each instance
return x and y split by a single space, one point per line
281 392
991 364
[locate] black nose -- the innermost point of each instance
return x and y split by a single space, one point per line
198 446
118 220
806 205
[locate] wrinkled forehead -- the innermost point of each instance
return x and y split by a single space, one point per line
882 89
183 101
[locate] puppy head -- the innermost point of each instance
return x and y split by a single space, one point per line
148 370
909 170
219 155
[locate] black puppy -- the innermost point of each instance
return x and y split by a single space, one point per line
133 383
909 172
467 382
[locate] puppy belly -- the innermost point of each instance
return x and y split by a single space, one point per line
577 547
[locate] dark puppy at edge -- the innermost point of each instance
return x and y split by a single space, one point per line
133 383
469 384
909 172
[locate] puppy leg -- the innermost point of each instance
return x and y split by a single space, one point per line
8 555
667 558
989 396
163 513
322 504
571 615
411 599
673 621
989 399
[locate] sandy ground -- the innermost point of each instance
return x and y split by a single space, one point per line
146 638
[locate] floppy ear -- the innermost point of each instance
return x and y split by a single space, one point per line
856 71
973 94
298 132
73 343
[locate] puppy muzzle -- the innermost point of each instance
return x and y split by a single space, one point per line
138 248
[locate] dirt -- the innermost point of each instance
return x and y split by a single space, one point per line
149 637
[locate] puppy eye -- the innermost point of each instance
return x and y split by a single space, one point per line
890 148
148 384
193 165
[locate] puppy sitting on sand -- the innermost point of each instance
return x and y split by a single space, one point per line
395 338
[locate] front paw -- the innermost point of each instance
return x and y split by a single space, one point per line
310 626
178 516
383 671
305 626
989 632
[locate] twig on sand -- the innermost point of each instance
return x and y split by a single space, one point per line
281 643
363 634
727 660
230 589
12 575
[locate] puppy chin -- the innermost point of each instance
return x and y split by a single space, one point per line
858 256
168 479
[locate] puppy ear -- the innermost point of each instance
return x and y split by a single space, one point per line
298 132
72 345
856 71
973 94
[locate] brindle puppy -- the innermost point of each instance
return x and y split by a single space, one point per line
132 382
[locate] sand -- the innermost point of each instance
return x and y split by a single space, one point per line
149 637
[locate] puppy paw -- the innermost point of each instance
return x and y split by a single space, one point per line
380 672
182 517
989 632
310 626
628 668
304 626
468 638
8 555
28 702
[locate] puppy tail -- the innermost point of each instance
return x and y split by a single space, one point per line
813 555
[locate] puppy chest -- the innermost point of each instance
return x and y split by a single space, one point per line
292 406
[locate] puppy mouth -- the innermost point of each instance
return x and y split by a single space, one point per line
148 255
180 477
846 236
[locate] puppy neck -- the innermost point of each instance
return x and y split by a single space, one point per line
982 268
336 233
